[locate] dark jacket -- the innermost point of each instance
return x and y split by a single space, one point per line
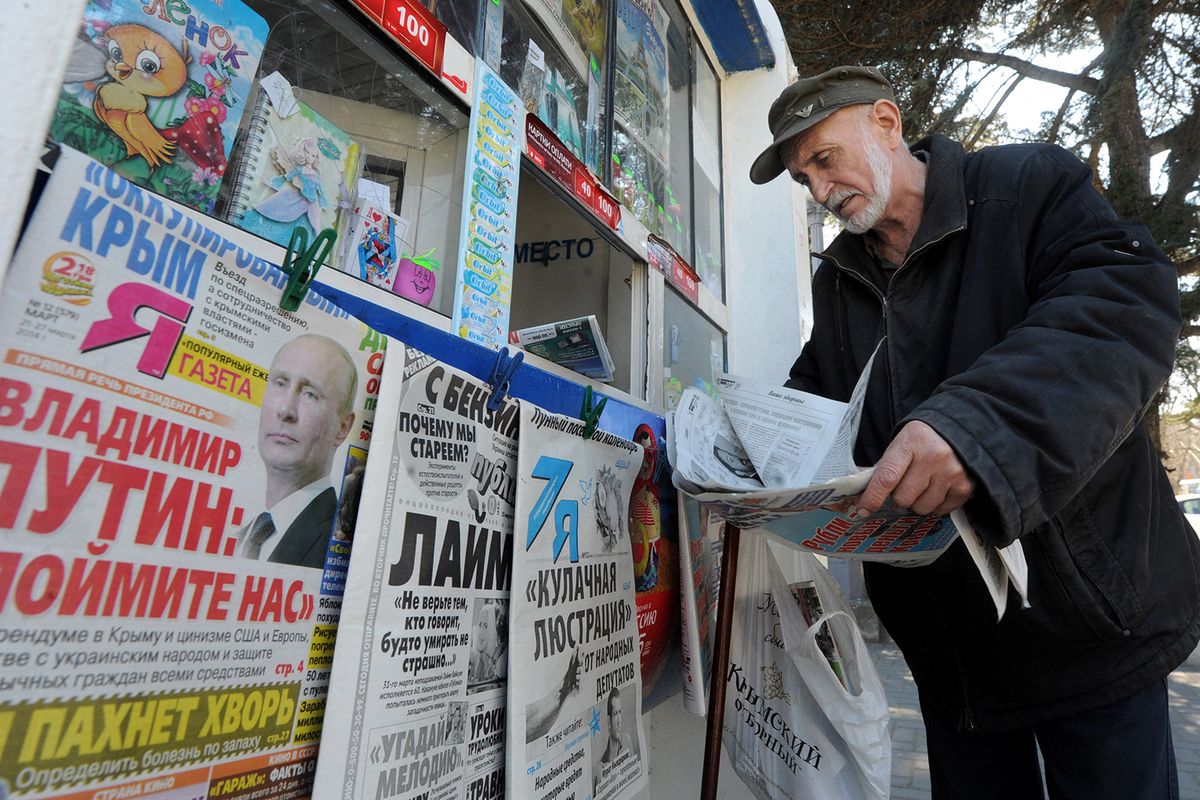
306 540
1031 329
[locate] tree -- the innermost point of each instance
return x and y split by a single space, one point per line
1137 99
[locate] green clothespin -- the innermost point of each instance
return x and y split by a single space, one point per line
302 262
589 415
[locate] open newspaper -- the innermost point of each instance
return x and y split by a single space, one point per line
764 455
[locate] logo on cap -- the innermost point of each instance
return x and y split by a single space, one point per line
804 112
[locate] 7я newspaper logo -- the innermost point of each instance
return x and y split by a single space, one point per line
122 326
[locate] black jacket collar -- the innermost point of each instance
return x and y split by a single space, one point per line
945 209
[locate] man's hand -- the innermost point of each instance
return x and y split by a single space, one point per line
920 472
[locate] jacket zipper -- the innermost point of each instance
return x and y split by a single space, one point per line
966 718
885 306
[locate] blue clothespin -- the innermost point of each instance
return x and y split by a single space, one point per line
501 377
589 415
302 262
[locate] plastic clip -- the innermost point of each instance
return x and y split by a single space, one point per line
589 415
302 262
501 377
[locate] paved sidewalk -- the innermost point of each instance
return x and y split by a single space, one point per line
910 767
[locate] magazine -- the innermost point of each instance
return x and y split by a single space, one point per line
297 168
422 649
575 687
158 97
577 344
183 464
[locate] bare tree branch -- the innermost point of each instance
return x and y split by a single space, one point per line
1070 80
1052 134
984 124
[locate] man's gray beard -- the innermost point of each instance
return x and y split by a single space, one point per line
881 178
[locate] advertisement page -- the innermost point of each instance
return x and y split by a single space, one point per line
180 461
417 697
575 702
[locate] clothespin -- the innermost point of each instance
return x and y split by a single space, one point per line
589 415
501 377
302 262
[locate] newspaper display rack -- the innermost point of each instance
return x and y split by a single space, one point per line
150 652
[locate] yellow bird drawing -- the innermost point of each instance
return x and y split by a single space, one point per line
141 64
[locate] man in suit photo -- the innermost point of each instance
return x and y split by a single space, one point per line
307 412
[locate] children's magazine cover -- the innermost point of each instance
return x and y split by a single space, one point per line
298 169
157 92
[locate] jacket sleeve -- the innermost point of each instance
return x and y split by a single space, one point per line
1037 414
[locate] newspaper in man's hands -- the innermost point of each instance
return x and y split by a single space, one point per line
760 454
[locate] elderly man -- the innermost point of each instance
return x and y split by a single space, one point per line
1026 330
307 412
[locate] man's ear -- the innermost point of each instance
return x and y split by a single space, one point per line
344 430
886 115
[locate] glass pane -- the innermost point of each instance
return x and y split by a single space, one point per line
560 77
706 131
642 110
461 18
676 211
398 200
638 179
694 349
651 139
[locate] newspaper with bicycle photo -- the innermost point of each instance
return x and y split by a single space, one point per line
761 455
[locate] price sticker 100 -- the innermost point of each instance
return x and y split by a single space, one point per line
409 24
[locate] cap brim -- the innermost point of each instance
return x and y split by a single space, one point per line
769 165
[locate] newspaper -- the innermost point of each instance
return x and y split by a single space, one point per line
180 460
416 706
764 455
575 687
700 551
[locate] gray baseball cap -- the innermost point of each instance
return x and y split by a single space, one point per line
809 101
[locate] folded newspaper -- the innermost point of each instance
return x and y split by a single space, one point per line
761 455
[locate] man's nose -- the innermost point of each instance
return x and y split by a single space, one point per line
286 408
820 189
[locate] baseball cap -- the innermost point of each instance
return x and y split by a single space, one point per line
809 101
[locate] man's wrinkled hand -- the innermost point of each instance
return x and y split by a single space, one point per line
919 471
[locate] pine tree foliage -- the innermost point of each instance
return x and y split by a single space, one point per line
1137 99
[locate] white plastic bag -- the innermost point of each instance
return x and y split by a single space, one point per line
806 717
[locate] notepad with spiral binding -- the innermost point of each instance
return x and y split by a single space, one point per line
298 169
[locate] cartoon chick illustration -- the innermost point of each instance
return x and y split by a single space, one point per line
141 64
